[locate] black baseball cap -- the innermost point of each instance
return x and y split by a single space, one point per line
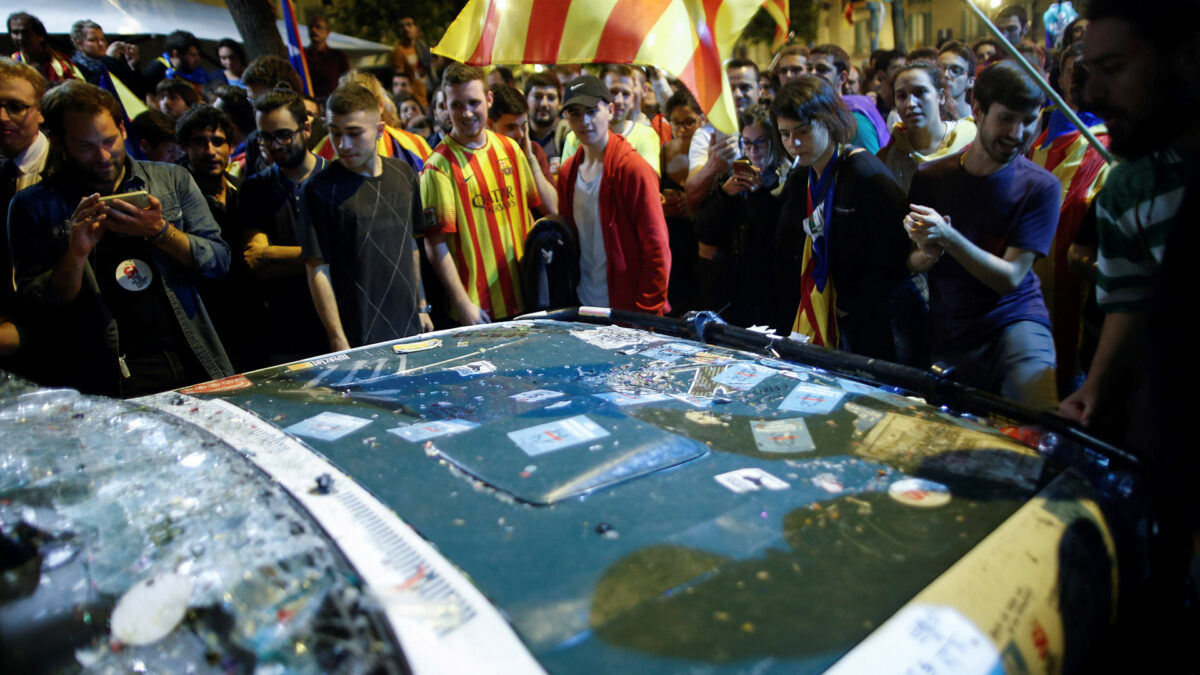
585 90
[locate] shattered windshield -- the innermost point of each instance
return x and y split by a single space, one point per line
133 542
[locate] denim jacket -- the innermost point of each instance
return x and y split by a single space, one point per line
79 338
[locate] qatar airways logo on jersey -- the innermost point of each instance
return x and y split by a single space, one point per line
496 200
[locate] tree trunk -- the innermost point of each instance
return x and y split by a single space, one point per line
899 26
255 20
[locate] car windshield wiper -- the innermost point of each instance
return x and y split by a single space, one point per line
935 386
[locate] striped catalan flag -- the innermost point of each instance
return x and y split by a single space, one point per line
295 49
398 143
688 38
780 10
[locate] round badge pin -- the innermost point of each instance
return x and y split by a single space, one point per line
919 492
151 609
134 275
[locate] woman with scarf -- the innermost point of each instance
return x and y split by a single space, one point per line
926 130
844 211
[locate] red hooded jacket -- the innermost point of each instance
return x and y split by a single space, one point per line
634 229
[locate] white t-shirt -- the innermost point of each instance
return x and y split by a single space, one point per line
593 261
698 150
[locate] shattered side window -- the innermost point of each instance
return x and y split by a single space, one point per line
132 542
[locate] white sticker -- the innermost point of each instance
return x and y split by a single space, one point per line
425 430
743 376
632 398
670 352
615 337
475 368
557 435
926 639
535 395
327 426
864 418
697 401
782 436
856 387
134 275
919 492
750 480
828 482
811 398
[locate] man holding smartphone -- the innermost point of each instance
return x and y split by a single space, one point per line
111 285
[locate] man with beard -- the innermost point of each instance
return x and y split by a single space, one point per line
610 196
711 152
543 93
988 319
271 218
112 285
1135 84
624 89
234 301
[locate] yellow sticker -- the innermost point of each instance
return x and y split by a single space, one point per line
410 347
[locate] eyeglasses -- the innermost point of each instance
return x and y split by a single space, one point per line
685 124
761 144
16 109
280 136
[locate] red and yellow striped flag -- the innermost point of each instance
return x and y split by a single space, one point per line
780 10
688 38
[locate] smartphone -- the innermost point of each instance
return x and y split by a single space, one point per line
140 199
743 166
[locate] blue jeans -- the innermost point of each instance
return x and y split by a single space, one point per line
1016 362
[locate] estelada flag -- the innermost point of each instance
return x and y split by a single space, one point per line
848 11
688 38
295 50
780 10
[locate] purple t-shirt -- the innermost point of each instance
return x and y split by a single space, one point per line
1016 206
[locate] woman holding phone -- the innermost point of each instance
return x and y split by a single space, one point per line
844 212
736 230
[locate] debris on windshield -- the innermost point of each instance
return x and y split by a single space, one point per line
159 548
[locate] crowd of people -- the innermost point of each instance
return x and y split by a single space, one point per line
927 207
924 207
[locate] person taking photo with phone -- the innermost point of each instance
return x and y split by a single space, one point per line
109 282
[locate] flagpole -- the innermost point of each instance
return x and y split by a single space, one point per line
1032 72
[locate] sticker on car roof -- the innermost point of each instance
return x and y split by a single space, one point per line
475 368
750 480
543 438
632 398
223 384
615 337
811 398
422 431
535 395
864 418
327 426
410 347
919 492
782 436
670 352
744 375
